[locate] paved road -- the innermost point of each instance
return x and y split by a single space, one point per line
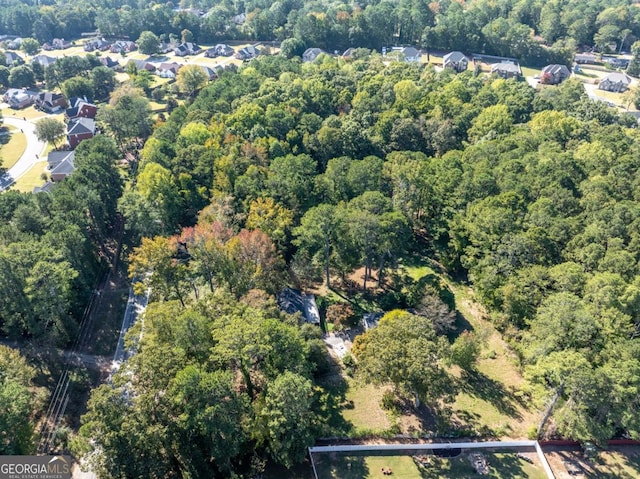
32 154
135 307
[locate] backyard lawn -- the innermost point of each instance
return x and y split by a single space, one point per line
12 145
501 466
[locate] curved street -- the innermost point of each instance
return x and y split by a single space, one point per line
33 153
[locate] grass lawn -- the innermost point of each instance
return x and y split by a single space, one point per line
488 402
363 410
623 463
12 145
530 72
32 178
29 113
157 106
335 466
501 466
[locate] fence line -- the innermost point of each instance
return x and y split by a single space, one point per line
432 447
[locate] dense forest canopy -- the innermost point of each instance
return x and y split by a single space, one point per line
342 164
534 31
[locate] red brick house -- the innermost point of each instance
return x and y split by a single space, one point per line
80 129
80 108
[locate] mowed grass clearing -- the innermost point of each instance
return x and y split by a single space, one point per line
32 178
12 145
29 113
501 466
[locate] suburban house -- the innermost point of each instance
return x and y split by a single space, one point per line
59 44
50 102
220 50
506 70
121 46
60 164
12 58
143 65
80 129
210 72
46 188
96 44
247 53
310 54
586 58
18 98
292 301
616 62
187 48
110 63
168 70
411 54
457 61
554 74
167 47
80 108
43 60
615 82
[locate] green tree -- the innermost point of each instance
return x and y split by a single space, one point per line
292 47
103 81
16 403
317 234
289 418
30 46
191 78
78 87
148 43
21 77
403 350
49 130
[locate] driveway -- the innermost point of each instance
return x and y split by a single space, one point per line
33 153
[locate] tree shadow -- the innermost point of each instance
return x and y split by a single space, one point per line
338 466
478 384
335 385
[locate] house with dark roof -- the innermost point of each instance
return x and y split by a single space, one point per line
64 169
80 108
50 102
506 69
210 72
60 164
18 98
12 58
220 50
96 44
554 74
310 54
585 58
121 46
110 63
247 53
187 48
615 82
616 62
456 61
292 301
80 129
43 60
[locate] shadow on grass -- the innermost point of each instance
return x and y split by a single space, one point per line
479 385
337 466
334 401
